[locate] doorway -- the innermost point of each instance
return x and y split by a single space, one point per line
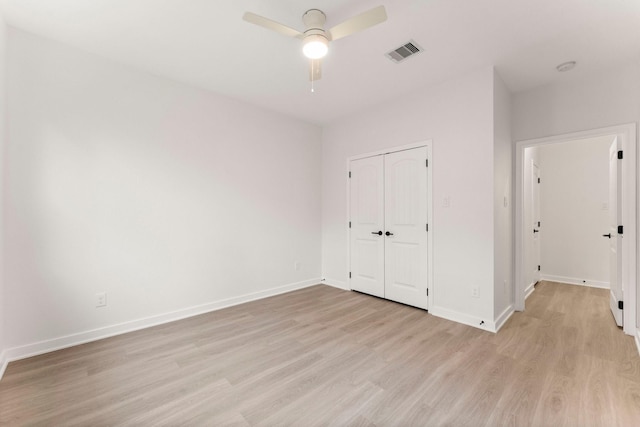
625 137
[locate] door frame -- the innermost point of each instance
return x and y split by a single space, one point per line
428 144
615 242
537 246
627 133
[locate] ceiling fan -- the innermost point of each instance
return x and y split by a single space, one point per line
315 39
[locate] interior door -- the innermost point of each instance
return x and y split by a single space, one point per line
536 224
367 225
406 227
615 239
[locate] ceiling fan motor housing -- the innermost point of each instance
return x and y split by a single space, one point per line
314 21
315 42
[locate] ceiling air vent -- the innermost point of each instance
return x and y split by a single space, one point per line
405 51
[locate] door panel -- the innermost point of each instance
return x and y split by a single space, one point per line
406 220
367 217
615 241
367 258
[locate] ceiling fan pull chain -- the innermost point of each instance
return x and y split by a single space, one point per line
312 78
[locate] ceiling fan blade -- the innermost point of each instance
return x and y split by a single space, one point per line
271 25
359 22
315 69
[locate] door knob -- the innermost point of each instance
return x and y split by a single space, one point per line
536 231
379 233
607 235
388 233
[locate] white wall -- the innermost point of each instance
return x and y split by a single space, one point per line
3 65
503 201
574 187
589 103
164 196
458 117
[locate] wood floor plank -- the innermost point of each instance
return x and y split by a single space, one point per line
321 356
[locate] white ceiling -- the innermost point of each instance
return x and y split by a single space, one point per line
207 44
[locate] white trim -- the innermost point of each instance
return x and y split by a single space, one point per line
456 316
430 282
630 220
502 319
637 339
37 348
529 290
428 144
4 361
335 284
575 281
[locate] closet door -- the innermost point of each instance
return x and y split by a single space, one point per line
367 225
405 237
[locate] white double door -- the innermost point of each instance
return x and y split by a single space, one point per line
389 231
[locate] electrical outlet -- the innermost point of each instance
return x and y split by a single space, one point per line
101 299
504 287
446 202
475 292
296 266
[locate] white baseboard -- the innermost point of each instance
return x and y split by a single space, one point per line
504 316
336 284
476 322
529 290
34 349
575 281
3 363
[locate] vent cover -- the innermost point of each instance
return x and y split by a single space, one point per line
405 51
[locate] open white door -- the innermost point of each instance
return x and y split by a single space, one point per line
615 238
406 227
535 222
367 225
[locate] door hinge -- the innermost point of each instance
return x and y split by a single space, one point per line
427 291
620 305
427 227
538 223
620 229
538 180
538 268
349 174
349 224
349 275
620 155
427 163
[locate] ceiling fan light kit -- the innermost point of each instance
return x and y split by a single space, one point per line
315 39
315 46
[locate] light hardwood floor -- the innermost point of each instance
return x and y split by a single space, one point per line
321 356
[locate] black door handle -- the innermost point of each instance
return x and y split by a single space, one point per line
607 235
379 233
536 231
388 234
